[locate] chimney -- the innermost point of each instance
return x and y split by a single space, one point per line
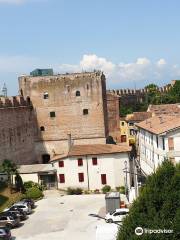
69 141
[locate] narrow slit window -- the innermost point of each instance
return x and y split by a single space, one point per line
42 128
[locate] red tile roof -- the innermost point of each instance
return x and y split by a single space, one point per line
138 116
169 109
160 124
93 149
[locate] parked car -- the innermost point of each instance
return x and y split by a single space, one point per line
117 215
17 213
15 208
8 221
30 202
7 213
5 233
24 206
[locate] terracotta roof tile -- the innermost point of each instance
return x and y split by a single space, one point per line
94 149
160 124
169 109
138 116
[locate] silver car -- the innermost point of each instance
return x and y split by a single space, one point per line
8 221
24 206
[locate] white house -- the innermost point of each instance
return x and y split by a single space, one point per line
92 166
39 173
159 138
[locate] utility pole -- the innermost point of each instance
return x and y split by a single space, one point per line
126 185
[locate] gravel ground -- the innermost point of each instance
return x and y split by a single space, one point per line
59 217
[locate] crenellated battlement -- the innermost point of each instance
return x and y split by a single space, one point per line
15 101
139 92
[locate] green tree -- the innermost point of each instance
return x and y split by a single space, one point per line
9 168
19 183
175 91
157 207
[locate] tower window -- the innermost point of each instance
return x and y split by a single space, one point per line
85 111
78 94
52 114
42 128
46 95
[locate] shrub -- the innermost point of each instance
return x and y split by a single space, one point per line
34 193
157 206
74 191
121 189
106 189
3 185
30 184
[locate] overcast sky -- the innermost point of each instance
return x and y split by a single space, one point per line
134 42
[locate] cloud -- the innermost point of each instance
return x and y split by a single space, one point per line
20 64
139 71
123 74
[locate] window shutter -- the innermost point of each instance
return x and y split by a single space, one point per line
61 163
80 162
61 178
171 143
103 179
94 161
81 177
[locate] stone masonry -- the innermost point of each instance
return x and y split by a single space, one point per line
65 104
17 130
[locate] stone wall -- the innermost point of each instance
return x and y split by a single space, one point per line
58 94
113 116
17 130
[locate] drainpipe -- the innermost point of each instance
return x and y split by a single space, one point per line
87 172
69 142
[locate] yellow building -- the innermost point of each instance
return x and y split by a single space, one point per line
128 129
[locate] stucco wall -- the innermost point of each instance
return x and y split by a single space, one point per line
110 164
152 154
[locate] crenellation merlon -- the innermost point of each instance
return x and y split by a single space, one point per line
14 101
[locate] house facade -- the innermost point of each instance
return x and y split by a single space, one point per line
158 139
128 129
91 167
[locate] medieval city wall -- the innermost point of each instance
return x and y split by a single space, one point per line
17 130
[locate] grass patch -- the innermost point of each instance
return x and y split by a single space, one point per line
7 198
3 199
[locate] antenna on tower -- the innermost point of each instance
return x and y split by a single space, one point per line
4 90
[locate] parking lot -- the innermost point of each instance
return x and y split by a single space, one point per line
59 217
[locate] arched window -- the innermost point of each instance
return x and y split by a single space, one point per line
46 95
78 94
42 128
